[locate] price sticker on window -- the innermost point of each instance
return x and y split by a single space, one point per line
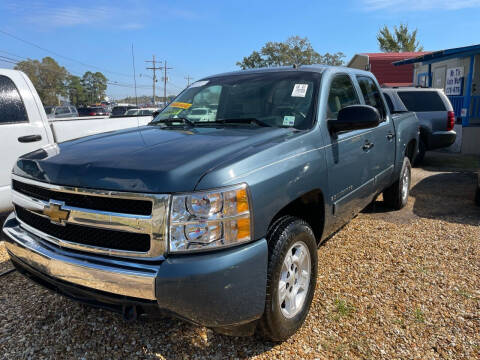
300 90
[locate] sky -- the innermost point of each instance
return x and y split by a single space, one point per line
201 38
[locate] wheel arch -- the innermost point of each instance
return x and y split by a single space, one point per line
310 207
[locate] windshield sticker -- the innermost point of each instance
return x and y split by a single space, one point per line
288 120
300 90
180 105
199 83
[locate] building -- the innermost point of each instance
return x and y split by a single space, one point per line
457 72
381 65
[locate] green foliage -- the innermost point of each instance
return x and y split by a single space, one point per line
76 92
400 41
47 76
53 81
95 85
295 50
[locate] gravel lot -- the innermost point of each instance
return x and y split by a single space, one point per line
391 285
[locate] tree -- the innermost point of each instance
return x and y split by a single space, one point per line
95 85
400 41
48 77
295 50
76 92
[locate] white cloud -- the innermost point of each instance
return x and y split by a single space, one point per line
128 14
418 5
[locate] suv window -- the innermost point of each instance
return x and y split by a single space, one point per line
342 94
12 108
422 101
61 110
371 94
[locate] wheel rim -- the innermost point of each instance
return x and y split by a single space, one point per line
294 280
405 184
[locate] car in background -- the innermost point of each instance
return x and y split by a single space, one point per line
64 111
98 111
202 114
120 110
434 111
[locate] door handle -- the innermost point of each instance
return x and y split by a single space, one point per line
367 146
390 136
29 138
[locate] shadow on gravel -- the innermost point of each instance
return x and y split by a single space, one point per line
447 196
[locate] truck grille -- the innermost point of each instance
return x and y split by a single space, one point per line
109 239
104 222
137 207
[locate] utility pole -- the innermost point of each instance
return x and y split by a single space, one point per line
165 68
134 76
188 78
154 68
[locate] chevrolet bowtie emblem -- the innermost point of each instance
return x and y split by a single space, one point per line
55 213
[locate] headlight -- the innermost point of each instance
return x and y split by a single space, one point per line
210 219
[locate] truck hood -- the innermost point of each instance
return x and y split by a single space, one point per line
146 159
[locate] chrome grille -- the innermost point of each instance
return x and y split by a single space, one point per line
113 230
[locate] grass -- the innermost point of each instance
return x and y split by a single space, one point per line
419 315
343 309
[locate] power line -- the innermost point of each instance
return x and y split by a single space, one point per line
60 55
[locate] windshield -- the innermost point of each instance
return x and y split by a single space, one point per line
278 99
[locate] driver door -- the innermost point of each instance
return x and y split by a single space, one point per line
349 178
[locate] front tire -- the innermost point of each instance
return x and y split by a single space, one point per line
292 274
396 196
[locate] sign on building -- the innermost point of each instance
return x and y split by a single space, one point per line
454 82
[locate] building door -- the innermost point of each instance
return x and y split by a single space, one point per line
439 77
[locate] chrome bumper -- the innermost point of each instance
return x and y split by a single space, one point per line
104 275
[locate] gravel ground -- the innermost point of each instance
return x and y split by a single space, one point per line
391 285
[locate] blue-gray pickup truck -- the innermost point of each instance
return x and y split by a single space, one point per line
214 211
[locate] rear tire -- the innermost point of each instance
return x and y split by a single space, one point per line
396 196
291 278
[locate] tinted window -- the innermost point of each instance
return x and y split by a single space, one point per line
278 99
371 94
119 110
389 102
12 108
342 94
422 101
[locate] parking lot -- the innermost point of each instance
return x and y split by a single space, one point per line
402 284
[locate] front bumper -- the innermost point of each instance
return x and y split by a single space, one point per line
225 288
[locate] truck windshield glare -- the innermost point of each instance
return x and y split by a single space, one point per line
283 99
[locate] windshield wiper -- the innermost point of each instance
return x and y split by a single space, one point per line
244 120
170 121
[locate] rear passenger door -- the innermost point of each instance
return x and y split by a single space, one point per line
382 137
349 178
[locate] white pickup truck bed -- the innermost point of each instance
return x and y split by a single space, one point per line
24 126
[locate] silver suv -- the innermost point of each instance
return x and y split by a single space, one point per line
64 111
434 111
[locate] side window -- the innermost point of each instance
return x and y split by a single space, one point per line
12 109
371 94
389 102
342 93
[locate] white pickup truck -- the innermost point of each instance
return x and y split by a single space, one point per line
25 127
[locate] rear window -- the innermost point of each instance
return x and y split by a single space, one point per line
11 105
422 101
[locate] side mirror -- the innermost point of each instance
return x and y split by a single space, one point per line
355 117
